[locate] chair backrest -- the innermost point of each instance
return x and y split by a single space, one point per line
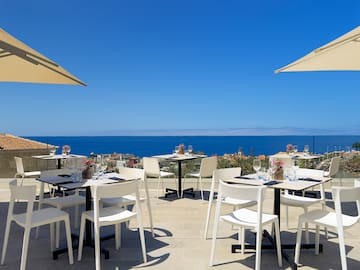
226 173
243 192
19 165
207 166
345 194
132 172
114 190
151 166
99 192
357 184
334 166
21 193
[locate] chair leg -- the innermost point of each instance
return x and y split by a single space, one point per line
68 239
81 236
6 240
52 242
142 237
211 196
342 248
242 239
149 207
57 237
117 236
215 229
97 247
307 240
298 242
25 248
76 218
278 242
317 239
41 197
258 249
201 188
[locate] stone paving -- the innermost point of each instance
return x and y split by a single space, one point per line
179 242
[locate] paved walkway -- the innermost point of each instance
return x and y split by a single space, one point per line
179 243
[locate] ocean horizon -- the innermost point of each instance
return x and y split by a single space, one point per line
210 145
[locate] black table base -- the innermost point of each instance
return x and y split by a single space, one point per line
88 242
187 191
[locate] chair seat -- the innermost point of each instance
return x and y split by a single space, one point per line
236 202
194 174
65 201
328 218
41 217
33 173
110 214
123 201
247 218
298 201
166 174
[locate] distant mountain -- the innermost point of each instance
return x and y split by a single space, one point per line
261 131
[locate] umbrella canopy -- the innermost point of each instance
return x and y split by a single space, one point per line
341 54
20 63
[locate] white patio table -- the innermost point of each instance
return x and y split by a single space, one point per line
69 182
179 158
59 157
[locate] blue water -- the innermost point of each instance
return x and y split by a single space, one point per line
153 145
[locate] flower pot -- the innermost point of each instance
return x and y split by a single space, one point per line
279 174
88 173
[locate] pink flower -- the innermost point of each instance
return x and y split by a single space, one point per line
88 162
277 163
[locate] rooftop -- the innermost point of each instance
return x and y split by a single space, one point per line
12 142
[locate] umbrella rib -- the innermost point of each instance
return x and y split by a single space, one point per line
338 43
9 50
63 74
4 54
23 54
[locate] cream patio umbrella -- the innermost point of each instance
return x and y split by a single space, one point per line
341 54
20 63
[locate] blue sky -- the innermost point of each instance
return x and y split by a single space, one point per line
176 67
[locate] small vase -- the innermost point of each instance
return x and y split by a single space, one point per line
279 174
88 173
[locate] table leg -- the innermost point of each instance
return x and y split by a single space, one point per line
179 191
59 163
179 178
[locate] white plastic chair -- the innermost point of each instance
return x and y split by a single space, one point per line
207 167
246 218
305 202
129 200
60 202
224 174
20 170
111 215
31 219
335 221
152 170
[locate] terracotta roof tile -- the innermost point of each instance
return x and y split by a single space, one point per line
11 142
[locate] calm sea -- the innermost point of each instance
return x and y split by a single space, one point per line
153 145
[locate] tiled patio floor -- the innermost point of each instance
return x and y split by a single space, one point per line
179 243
